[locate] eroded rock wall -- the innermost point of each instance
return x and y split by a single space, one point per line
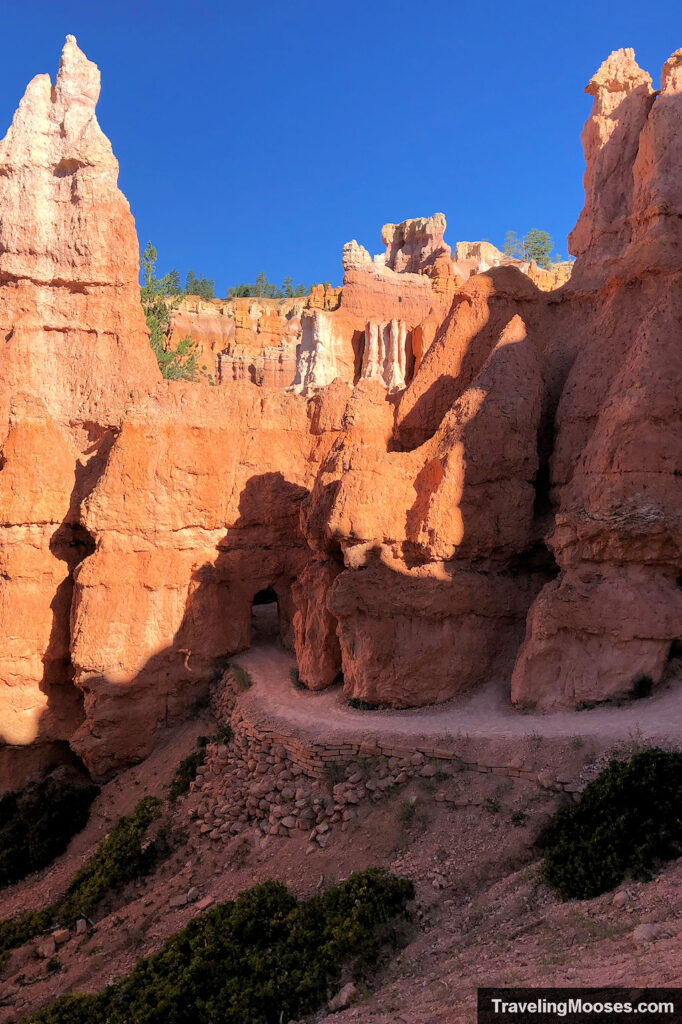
384 301
615 613
138 518
75 353
462 460
588 509
245 339
196 512
428 598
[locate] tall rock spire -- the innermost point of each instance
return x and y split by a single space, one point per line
622 100
69 294
73 348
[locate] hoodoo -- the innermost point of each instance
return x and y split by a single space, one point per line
447 472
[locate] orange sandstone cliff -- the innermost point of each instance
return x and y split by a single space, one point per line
74 355
446 473
615 611
381 326
553 507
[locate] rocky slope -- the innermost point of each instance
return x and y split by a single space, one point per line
469 475
482 915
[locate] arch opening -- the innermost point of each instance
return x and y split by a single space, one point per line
265 624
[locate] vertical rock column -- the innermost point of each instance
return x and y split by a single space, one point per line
74 349
614 614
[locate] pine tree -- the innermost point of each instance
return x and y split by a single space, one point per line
174 285
179 363
264 289
537 245
512 245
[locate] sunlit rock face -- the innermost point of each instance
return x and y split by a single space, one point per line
466 476
74 351
253 340
376 326
426 602
614 614
70 317
384 301
196 512
593 561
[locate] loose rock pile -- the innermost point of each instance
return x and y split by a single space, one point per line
280 784
247 783
255 781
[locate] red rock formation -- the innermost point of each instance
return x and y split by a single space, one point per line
70 314
75 351
294 342
478 257
414 245
324 297
242 339
196 511
612 362
383 302
616 610
37 550
622 101
427 535
400 508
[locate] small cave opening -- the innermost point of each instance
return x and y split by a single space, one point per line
265 617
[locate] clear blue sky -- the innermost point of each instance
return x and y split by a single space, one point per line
262 136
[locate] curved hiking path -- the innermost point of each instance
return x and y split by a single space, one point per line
483 714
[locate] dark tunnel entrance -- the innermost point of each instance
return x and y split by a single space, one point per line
265 617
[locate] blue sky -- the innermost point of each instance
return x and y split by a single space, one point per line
263 136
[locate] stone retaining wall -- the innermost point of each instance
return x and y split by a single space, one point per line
315 758
278 783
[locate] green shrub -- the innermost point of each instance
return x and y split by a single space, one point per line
37 824
296 679
223 733
362 705
160 297
241 676
262 958
121 857
627 821
186 773
16 931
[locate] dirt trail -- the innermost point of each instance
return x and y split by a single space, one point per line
483 714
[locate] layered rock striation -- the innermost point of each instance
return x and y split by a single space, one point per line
376 326
384 301
75 353
471 478
70 317
614 615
